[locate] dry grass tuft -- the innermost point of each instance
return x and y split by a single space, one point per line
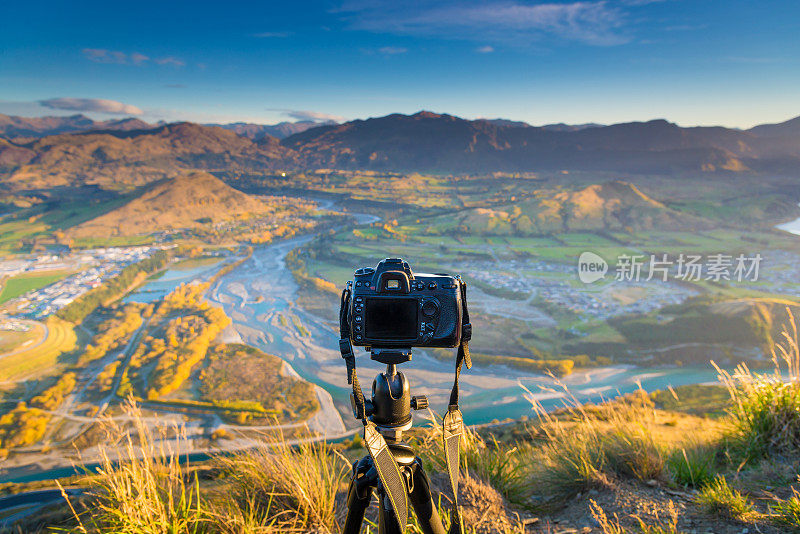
294 487
142 485
581 447
766 407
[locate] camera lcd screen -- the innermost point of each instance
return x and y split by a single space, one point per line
388 318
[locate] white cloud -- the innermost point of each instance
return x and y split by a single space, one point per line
392 50
101 55
171 61
592 22
138 58
267 35
485 49
97 105
305 115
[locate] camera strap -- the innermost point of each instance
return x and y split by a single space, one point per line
453 421
382 457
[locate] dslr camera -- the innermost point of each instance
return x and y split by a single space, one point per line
393 307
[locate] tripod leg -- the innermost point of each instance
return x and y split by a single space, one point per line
387 524
359 494
421 500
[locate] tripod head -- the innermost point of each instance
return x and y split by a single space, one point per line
391 403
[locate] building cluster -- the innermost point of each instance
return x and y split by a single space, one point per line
558 285
92 266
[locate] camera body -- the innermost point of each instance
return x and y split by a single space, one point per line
391 306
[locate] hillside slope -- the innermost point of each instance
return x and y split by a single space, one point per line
118 159
179 202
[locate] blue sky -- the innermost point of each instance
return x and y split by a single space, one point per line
694 62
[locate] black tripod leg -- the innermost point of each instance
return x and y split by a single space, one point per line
387 523
421 500
359 494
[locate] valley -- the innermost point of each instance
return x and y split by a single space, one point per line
210 295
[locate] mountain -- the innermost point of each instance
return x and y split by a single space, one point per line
188 200
12 126
125 156
279 130
561 127
506 122
790 128
116 159
435 142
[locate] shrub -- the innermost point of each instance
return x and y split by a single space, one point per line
766 408
720 499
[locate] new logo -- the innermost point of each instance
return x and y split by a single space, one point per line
591 267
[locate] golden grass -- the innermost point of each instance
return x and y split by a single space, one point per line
766 407
580 446
61 338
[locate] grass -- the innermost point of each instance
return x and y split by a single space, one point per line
766 407
21 284
581 447
693 466
719 499
144 485
787 513
291 487
60 339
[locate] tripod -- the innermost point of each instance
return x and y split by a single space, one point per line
390 410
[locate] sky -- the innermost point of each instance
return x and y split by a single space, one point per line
694 62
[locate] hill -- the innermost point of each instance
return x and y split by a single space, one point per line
117 159
124 156
745 323
436 142
13 126
180 202
786 128
280 130
615 205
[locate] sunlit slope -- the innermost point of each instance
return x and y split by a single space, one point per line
186 201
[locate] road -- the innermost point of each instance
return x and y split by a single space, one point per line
24 348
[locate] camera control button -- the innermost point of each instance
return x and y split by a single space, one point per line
432 285
358 318
359 299
357 328
429 308
358 337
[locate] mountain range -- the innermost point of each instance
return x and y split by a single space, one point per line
31 127
123 153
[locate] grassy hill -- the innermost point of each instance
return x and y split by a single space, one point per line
119 159
614 205
187 201
749 322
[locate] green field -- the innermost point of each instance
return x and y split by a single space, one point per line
21 284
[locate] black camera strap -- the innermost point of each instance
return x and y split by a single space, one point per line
382 457
453 422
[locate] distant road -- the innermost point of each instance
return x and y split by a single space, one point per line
33 324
